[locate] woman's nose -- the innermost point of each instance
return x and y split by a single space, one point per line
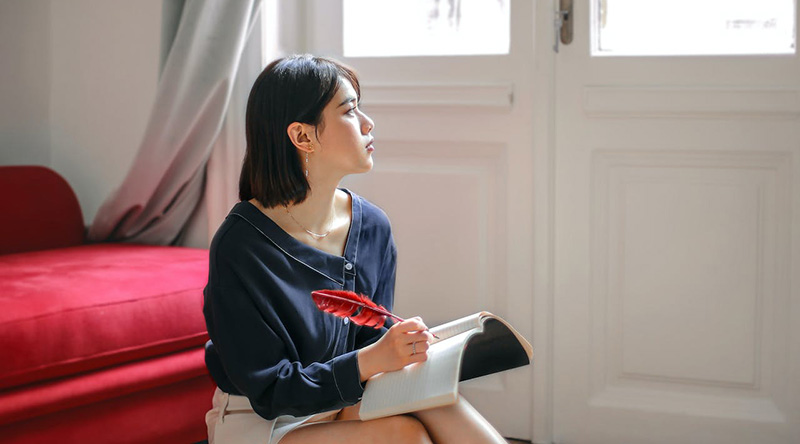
368 124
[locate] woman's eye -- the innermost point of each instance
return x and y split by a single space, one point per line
351 110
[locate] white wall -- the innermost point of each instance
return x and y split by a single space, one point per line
77 82
105 62
24 82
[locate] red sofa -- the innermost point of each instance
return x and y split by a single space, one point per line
99 343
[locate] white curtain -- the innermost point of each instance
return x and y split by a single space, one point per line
225 162
199 110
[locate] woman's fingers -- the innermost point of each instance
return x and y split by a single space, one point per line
416 352
418 336
418 347
419 357
410 340
410 324
405 343
414 326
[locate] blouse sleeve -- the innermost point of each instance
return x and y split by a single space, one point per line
384 295
255 360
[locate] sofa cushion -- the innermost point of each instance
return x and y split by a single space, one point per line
56 395
167 414
40 210
76 309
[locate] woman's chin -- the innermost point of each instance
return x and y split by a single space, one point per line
368 165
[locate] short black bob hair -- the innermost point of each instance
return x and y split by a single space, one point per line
290 89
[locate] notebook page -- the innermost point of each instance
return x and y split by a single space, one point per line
456 327
415 386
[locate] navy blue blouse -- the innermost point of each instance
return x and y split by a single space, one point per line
269 341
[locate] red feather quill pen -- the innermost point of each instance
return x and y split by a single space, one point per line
345 304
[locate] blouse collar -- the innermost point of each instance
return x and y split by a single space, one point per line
333 267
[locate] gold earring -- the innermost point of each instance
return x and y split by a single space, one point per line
310 146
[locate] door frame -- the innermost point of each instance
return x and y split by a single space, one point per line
543 202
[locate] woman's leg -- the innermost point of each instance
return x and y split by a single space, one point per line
398 429
458 423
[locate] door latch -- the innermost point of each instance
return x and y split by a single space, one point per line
563 24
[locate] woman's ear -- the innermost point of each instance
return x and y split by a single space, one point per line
300 135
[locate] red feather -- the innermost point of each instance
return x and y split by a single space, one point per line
345 304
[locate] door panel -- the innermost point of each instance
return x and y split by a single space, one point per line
675 247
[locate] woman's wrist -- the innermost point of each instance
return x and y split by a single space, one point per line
366 363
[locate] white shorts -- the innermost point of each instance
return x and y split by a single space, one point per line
232 420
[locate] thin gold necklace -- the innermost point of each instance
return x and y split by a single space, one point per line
316 236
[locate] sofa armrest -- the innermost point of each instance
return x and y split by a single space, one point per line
39 210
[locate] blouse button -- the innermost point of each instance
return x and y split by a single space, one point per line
348 266
346 321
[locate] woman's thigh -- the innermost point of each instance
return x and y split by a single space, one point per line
402 429
349 413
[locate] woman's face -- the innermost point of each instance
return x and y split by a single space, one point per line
344 140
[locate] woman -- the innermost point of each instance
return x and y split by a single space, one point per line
285 370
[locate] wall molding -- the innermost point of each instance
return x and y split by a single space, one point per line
492 97
677 403
691 102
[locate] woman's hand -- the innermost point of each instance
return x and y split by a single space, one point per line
405 343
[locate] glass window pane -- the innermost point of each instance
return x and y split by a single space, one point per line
693 27
382 28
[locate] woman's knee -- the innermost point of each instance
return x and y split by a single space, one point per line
406 429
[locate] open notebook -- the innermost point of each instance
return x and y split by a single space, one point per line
473 346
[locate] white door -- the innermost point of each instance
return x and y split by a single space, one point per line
675 190
452 170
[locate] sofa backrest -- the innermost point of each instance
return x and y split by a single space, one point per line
38 210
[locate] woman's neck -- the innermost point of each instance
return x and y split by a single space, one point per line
317 212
